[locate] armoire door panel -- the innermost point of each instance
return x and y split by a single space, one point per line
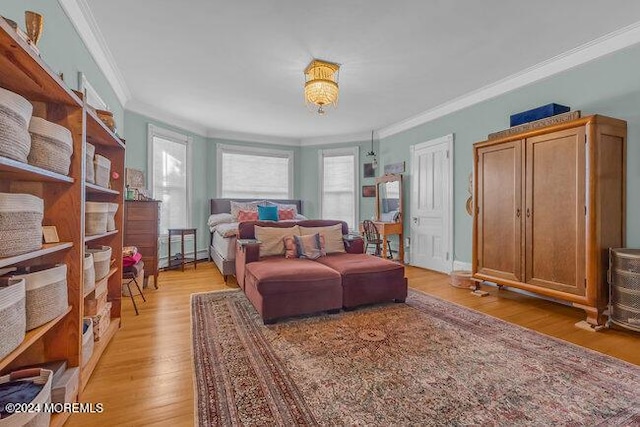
555 211
500 210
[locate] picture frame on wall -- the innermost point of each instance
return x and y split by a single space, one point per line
368 191
394 168
369 171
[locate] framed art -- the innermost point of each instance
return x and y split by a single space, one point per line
369 171
50 234
368 191
394 168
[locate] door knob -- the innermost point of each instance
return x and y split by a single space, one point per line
518 212
528 213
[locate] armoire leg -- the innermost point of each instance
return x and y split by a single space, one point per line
595 320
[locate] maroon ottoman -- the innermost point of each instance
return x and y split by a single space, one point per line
367 279
280 287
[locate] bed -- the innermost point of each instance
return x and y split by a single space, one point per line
222 242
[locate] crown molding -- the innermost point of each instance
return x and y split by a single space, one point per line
335 139
85 24
602 46
252 137
166 118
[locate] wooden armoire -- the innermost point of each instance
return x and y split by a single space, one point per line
549 204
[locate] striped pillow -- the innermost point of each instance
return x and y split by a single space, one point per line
247 216
310 246
285 214
290 249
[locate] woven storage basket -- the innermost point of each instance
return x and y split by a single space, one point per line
103 170
51 146
89 274
101 322
46 291
95 218
20 224
111 217
38 376
88 159
101 261
12 315
87 339
461 279
15 113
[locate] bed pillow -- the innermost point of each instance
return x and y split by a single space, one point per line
267 213
244 206
282 205
217 219
332 236
286 214
247 216
310 246
272 239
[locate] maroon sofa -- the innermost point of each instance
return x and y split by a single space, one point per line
279 287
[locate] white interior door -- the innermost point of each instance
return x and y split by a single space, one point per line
432 204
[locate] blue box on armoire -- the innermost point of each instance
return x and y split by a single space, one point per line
538 113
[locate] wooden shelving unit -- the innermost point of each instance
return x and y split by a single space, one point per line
100 282
25 73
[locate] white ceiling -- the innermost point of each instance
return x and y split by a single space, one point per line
238 65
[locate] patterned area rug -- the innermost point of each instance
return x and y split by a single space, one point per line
426 362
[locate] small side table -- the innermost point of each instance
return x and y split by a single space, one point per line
181 262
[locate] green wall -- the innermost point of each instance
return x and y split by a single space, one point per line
608 86
63 50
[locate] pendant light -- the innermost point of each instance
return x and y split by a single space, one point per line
373 154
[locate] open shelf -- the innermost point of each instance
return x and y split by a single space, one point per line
13 169
113 271
47 248
100 236
98 349
99 134
22 71
93 188
31 337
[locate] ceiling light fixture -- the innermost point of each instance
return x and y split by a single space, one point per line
321 85
373 154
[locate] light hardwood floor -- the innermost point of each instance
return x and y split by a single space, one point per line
145 376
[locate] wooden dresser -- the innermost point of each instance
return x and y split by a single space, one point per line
549 204
141 226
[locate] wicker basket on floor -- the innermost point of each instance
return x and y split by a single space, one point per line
88 158
95 218
43 377
462 279
51 146
46 292
12 315
89 274
15 114
103 170
20 224
101 261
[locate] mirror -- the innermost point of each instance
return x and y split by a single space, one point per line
389 198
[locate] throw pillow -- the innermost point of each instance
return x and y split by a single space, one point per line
217 219
332 235
267 213
282 205
247 216
244 206
272 239
309 246
290 249
286 214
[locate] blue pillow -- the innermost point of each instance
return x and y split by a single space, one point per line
267 213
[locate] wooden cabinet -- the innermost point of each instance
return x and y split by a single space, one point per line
141 225
549 204
25 73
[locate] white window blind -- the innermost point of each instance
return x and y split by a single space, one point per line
170 178
339 185
254 173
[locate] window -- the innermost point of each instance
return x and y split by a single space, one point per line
169 175
339 185
247 173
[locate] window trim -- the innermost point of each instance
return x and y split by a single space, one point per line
180 138
242 149
335 152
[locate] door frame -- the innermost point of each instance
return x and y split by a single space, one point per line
449 140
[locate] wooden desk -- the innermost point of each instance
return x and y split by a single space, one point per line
388 229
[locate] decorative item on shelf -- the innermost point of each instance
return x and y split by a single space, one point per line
103 170
548 121
21 225
368 191
50 234
15 114
91 171
374 163
95 218
101 261
537 113
394 168
321 85
89 278
34 24
101 322
107 119
111 217
51 146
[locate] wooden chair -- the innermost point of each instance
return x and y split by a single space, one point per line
372 237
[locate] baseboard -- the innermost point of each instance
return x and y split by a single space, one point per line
461 265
